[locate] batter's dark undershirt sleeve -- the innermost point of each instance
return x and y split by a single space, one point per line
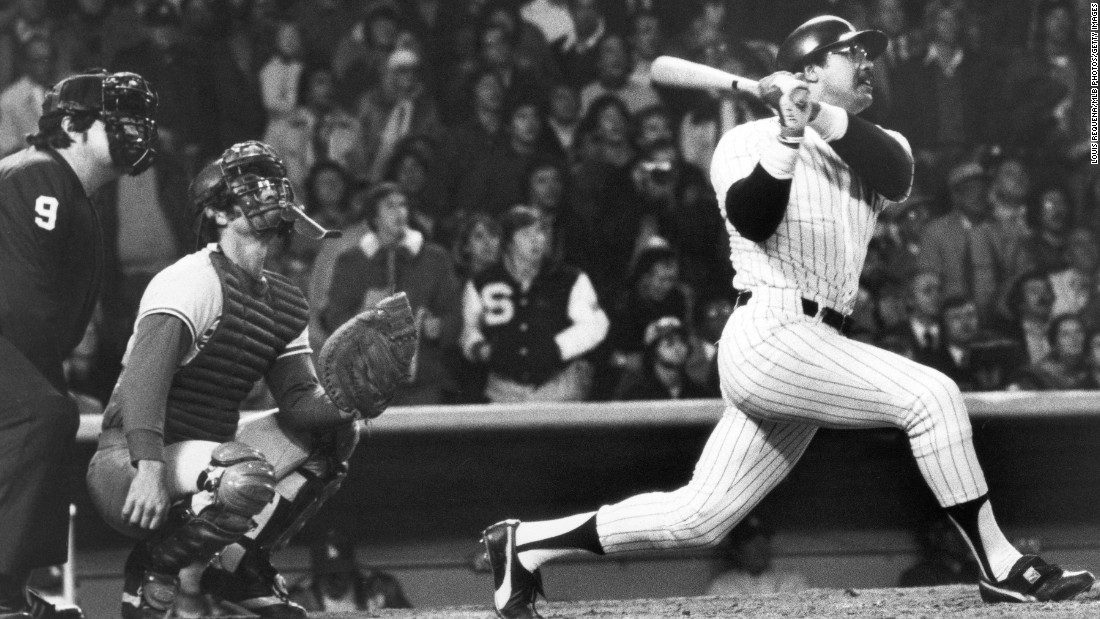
755 204
160 343
878 158
303 404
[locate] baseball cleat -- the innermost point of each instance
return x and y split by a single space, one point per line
256 587
1035 580
146 594
39 608
515 588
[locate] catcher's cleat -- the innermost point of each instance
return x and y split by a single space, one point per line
515 588
146 594
256 587
1033 580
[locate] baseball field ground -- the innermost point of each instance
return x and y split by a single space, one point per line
957 602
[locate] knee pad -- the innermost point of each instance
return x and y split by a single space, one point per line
239 478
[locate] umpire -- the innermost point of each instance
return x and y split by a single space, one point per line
95 127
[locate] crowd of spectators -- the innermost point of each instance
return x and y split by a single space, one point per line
510 165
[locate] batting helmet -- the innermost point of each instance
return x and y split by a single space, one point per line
822 34
125 102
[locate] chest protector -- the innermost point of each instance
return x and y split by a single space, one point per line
256 324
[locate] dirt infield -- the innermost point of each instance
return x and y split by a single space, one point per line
956 602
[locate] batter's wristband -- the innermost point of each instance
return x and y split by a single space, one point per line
831 122
778 159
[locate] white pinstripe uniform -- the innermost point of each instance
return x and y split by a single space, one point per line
784 374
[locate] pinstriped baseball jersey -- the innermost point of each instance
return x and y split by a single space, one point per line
821 243
784 374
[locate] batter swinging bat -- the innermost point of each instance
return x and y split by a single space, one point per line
682 73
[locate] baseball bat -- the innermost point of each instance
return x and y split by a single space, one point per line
671 71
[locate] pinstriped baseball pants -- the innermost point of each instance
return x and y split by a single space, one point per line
784 374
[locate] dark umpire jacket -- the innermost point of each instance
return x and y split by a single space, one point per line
51 266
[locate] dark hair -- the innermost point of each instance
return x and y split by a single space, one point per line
307 76
523 97
374 197
591 118
484 25
515 219
1016 292
311 183
51 134
509 8
541 162
657 109
628 47
459 249
648 258
83 115
405 149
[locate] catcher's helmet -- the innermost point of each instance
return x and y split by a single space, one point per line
251 175
821 34
125 102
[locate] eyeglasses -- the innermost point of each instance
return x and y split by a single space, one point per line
854 52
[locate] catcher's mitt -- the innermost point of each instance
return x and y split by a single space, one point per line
364 361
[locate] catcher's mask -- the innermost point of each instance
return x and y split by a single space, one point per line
249 175
126 104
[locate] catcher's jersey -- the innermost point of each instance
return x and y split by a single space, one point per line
191 291
819 246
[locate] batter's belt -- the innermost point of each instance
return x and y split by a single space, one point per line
811 308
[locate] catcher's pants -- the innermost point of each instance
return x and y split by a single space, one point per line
110 471
784 374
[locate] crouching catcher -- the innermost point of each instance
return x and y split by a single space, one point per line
177 468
